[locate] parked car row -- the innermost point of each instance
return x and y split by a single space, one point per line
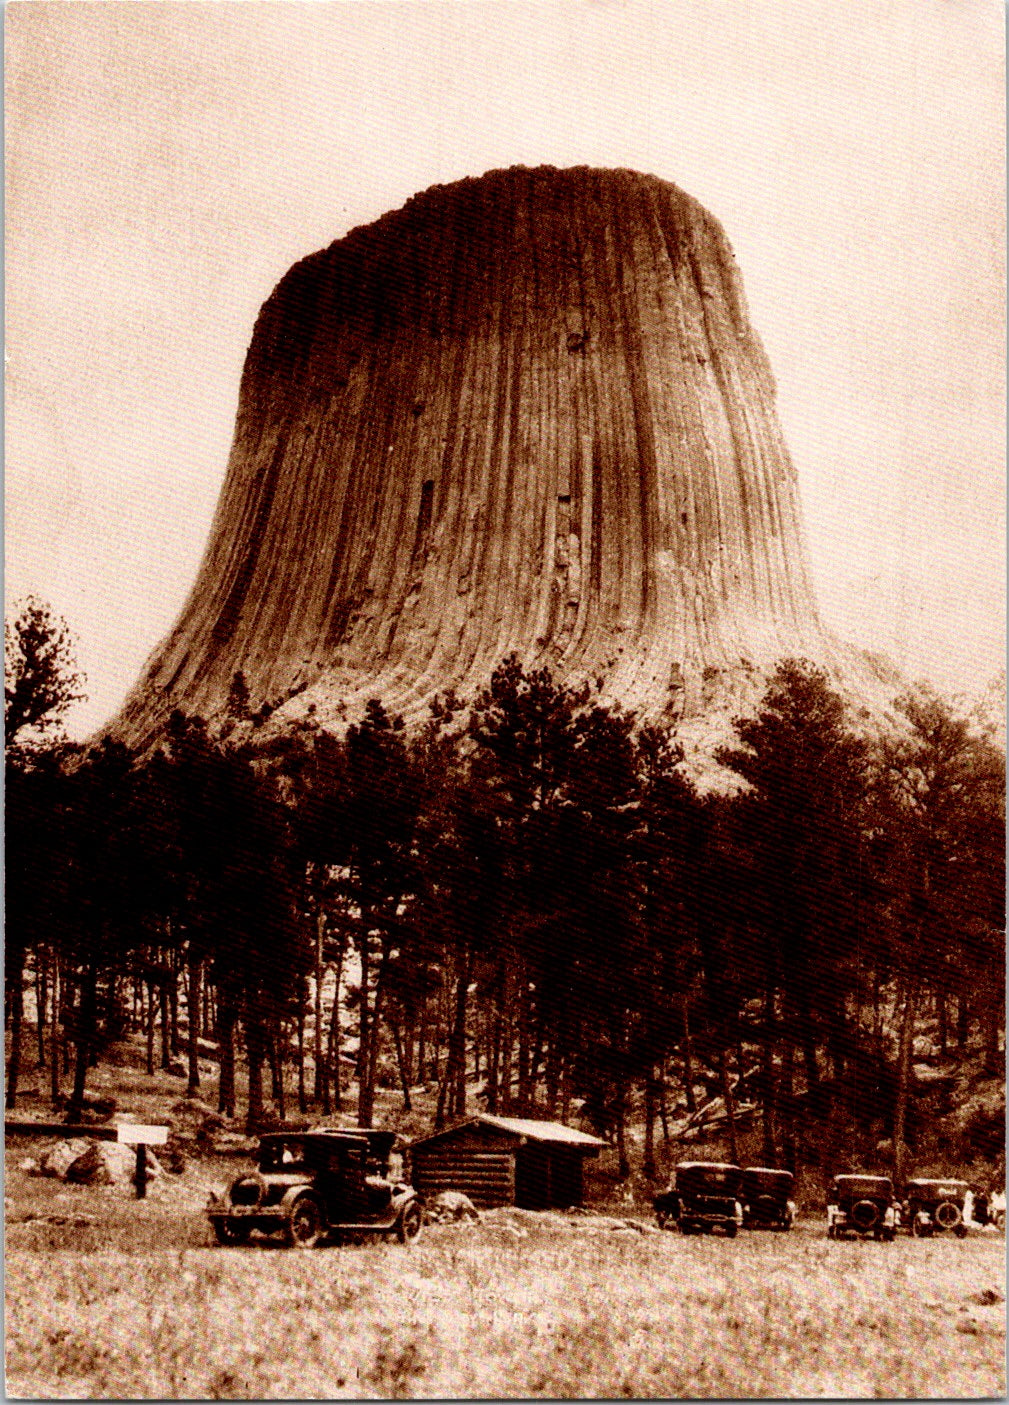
710 1196
333 1183
706 1196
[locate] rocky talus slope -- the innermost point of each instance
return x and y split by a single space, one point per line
524 413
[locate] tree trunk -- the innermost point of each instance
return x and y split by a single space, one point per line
461 999
41 1003
688 1062
320 928
278 1044
193 1004
255 1048
663 1108
302 1102
962 1022
175 968
166 1048
903 1077
648 1164
493 1058
150 1028
623 1165
942 1016
17 1003
730 1105
403 1076
768 1152
85 1038
808 1042
551 1075
524 1043
994 1061
786 1107
54 1039
366 1095
448 1091
333 1067
226 1053
364 1029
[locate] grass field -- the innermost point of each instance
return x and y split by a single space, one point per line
130 1299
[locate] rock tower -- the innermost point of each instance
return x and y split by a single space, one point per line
524 413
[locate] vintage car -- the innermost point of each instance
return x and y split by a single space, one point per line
708 1197
667 1206
862 1204
328 1182
767 1198
932 1206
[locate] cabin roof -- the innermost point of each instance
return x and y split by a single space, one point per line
528 1127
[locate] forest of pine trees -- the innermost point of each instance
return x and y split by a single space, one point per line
526 906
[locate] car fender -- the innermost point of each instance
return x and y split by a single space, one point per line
294 1194
255 1177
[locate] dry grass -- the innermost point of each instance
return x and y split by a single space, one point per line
138 1304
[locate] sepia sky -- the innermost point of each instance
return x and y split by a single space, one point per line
166 163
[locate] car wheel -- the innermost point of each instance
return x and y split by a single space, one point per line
1000 1219
304 1229
410 1223
865 1215
961 1231
947 1215
231 1232
730 1230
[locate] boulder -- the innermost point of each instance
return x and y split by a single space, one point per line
55 1161
109 1163
451 1207
210 1127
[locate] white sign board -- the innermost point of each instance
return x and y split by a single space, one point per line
137 1134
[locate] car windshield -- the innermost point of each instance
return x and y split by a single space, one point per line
937 1190
759 1181
708 1180
863 1185
282 1155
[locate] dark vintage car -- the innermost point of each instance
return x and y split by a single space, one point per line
934 1207
705 1198
311 1185
667 1206
862 1204
767 1198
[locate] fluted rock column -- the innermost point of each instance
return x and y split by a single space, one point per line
527 413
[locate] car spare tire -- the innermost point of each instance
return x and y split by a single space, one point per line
947 1214
864 1214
